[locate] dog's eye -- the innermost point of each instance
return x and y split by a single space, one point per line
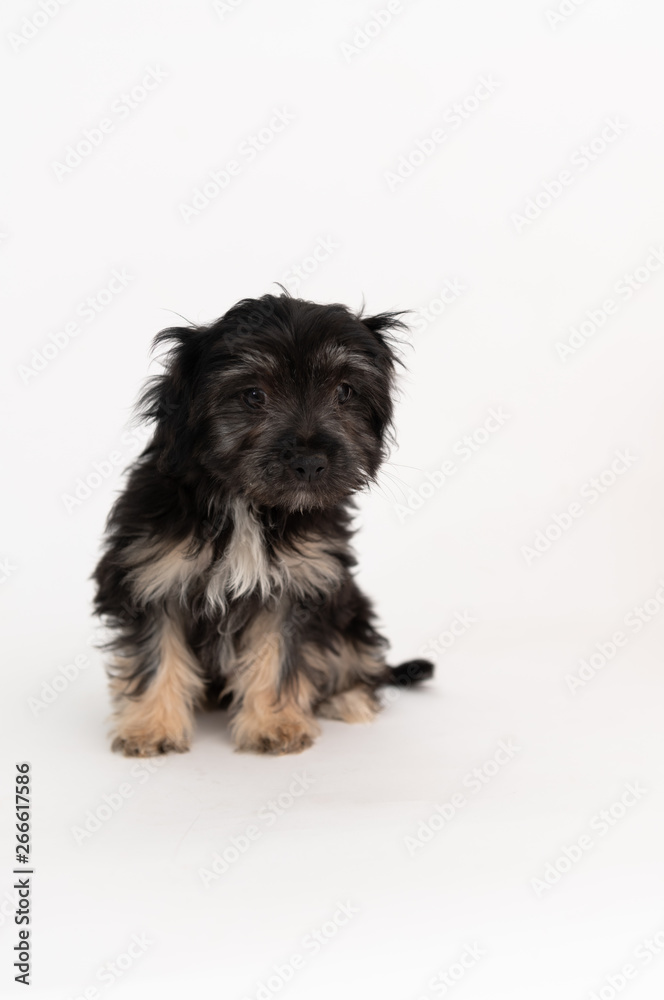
255 398
344 392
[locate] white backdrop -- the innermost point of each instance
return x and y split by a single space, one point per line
496 168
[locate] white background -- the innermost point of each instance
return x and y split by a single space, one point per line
326 176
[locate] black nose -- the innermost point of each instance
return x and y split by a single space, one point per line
306 465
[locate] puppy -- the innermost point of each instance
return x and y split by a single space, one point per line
227 571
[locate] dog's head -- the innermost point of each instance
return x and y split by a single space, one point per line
282 401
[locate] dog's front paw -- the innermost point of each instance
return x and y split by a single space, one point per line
278 736
137 746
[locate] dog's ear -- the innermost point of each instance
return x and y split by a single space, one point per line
384 327
380 394
168 399
385 321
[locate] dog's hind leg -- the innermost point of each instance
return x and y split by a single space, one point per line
357 704
346 646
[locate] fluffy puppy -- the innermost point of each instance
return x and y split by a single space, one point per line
227 570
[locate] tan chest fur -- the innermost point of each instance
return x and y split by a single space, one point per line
245 567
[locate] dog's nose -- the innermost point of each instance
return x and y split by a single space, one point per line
307 466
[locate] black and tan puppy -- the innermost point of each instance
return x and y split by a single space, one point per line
227 568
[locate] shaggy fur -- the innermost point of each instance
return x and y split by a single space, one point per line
227 569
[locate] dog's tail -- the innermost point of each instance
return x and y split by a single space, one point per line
409 673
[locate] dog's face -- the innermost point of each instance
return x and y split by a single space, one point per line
284 402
